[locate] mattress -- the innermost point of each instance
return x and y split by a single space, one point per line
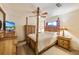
44 39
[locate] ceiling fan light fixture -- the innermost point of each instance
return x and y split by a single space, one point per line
58 4
44 13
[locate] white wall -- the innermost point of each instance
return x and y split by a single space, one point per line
71 21
20 22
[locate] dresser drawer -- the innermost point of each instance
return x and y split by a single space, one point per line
66 46
60 41
64 42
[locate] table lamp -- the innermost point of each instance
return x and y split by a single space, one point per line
63 29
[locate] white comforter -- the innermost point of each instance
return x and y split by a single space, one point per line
44 39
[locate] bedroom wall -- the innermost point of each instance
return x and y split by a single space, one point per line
20 22
71 21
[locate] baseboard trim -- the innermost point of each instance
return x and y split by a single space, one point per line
21 41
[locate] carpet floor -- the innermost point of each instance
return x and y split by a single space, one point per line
55 50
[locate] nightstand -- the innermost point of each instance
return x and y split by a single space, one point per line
63 42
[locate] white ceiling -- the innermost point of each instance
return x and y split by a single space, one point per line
54 10
27 8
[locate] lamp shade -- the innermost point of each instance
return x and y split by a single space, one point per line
63 28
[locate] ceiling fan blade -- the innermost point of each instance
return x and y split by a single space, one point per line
44 13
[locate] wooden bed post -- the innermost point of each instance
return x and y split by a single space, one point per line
26 20
37 30
26 24
26 33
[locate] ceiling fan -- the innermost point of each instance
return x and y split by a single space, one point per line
58 4
41 14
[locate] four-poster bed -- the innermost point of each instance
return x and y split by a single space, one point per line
39 42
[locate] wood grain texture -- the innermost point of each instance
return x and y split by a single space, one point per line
29 29
64 42
8 46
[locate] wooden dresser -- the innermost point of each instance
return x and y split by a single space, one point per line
8 43
8 46
64 42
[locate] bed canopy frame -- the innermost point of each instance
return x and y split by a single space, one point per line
37 28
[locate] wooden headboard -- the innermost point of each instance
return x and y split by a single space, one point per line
29 29
52 28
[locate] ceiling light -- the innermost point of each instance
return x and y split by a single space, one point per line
58 5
